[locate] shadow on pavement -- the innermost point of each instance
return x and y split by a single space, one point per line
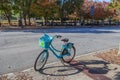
60 71
76 67
117 76
93 66
95 69
66 30
98 70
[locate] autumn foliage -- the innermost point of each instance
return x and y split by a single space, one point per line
101 10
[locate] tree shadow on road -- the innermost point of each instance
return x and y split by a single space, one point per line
65 30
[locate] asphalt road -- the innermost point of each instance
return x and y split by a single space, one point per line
19 48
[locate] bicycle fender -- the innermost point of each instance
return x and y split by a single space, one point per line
69 45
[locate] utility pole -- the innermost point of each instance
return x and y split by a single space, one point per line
92 14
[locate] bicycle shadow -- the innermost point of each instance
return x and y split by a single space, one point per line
60 71
76 67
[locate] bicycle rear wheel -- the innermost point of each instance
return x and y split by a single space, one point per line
41 60
70 57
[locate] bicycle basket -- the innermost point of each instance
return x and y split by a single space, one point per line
45 41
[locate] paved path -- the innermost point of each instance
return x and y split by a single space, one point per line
87 67
19 49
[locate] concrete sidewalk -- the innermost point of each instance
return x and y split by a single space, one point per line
87 67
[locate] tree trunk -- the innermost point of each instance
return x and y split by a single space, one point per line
0 24
110 21
61 20
46 18
8 17
24 17
102 22
29 21
83 22
62 16
52 22
80 14
80 21
9 21
28 11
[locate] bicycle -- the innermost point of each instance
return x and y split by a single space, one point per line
66 54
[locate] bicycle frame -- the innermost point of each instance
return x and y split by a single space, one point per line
53 50
59 56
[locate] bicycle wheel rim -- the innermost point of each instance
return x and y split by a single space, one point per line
69 58
41 60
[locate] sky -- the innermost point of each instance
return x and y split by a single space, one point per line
103 0
107 0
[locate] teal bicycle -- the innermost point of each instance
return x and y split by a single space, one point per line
66 54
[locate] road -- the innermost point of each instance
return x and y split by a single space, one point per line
19 48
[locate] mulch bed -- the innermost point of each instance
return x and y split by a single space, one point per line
111 56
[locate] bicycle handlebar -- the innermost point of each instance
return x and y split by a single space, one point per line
56 36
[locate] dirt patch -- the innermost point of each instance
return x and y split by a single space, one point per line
17 76
110 56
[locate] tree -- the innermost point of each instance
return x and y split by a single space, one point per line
115 6
0 11
6 8
68 7
42 8
23 7
101 10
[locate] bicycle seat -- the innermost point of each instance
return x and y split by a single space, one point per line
65 40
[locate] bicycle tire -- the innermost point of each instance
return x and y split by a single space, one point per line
72 56
42 62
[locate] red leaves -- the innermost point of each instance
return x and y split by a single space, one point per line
100 8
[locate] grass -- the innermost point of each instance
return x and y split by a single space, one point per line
111 56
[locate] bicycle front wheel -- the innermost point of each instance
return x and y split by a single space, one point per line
41 60
70 57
